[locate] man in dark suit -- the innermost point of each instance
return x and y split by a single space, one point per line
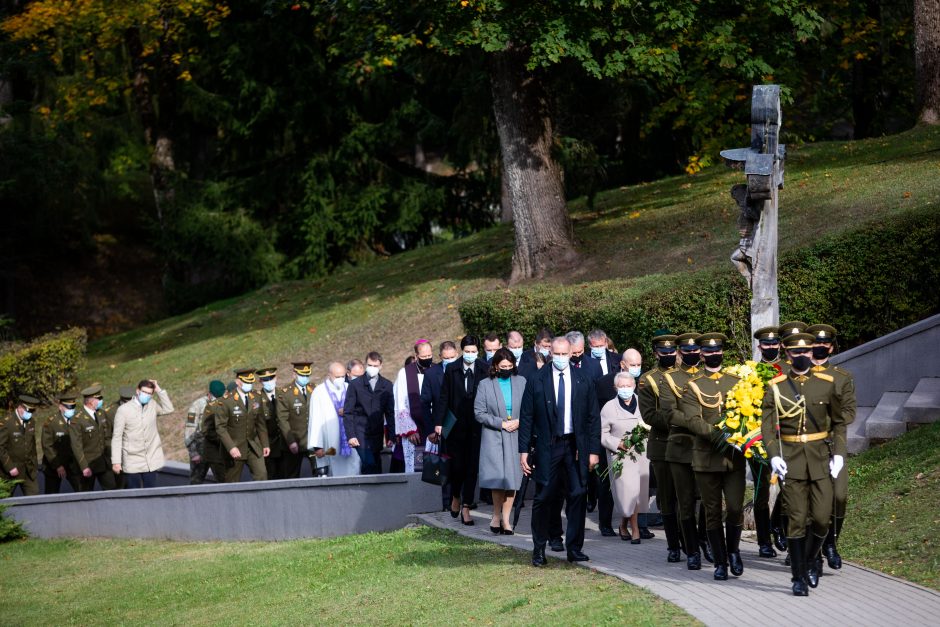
559 408
543 344
462 444
369 414
607 361
431 394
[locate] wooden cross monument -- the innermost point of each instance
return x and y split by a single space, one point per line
756 254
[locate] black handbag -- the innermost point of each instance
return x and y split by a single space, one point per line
436 468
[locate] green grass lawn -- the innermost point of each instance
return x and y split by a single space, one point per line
893 518
669 226
413 576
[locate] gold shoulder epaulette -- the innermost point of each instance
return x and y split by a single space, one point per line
672 385
780 378
824 376
842 371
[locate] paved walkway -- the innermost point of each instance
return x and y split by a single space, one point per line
850 596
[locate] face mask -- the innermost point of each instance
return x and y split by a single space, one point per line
770 354
504 374
576 359
99 404
489 355
246 387
691 359
338 383
144 398
425 363
597 352
372 371
268 385
516 352
469 358
635 371
560 362
544 352
625 393
353 377
68 413
302 380
26 416
667 361
820 353
801 363
448 361
713 360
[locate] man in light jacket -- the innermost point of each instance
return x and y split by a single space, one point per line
136 449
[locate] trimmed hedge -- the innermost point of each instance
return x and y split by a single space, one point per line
43 367
866 283
9 528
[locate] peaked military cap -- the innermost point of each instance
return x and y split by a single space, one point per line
688 340
266 373
302 367
665 341
246 374
799 340
29 402
93 390
767 334
67 398
712 342
789 328
822 332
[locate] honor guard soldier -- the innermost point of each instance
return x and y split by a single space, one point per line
18 446
656 409
240 426
125 393
720 471
275 462
213 454
803 429
679 450
293 414
768 340
825 337
89 436
58 459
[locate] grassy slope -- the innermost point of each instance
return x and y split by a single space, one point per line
668 226
413 576
893 517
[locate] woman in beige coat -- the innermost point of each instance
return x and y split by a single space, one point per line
630 486
136 449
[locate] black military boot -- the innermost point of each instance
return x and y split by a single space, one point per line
798 566
829 546
693 560
732 542
762 522
778 526
716 538
814 559
703 536
671 528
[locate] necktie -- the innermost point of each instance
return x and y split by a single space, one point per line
303 391
468 380
560 403
372 383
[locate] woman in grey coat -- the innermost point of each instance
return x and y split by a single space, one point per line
497 405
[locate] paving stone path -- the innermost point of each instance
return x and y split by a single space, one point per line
851 596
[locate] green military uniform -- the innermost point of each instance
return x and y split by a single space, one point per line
240 425
125 393
679 451
275 462
89 440
194 441
293 411
212 453
18 447
768 339
845 389
803 425
58 459
656 409
720 471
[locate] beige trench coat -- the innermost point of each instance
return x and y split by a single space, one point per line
135 443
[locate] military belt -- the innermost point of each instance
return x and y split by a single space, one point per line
805 437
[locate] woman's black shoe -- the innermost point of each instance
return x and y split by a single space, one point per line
454 514
496 530
624 536
636 541
507 532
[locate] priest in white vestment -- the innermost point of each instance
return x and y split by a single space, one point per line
410 423
326 436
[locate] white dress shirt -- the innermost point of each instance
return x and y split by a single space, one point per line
569 387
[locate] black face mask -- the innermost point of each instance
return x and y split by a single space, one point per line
770 354
503 374
713 360
667 361
801 362
691 359
425 363
820 353
576 359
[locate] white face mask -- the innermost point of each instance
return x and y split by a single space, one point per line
338 383
625 393
372 371
635 371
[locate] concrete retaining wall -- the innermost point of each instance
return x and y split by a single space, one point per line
269 510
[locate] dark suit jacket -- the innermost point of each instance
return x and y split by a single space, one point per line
431 388
538 419
589 367
455 398
527 366
606 391
612 359
367 413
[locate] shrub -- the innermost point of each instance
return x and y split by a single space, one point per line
9 529
43 367
866 283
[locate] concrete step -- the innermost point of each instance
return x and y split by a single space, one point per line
856 437
887 422
923 405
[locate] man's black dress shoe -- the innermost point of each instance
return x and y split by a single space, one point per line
608 532
646 534
591 505
673 556
556 545
577 556
538 557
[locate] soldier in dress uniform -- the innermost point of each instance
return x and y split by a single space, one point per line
275 463
18 446
720 471
125 393
213 454
656 408
88 434
804 433
194 436
845 387
58 459
293 410
768 340
240 426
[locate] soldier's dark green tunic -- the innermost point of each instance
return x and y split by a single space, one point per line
90 440
18 450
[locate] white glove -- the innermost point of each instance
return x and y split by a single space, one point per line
835 465
779 466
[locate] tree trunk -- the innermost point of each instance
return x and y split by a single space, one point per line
927 59
532 178
505 205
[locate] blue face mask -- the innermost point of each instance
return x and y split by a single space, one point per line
635 371
269 385
26 415
302 380
597 352
246 387
489 355
560 362
625 393
516 352
68 413
469 358
544 351
99 403
448 361
144 398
